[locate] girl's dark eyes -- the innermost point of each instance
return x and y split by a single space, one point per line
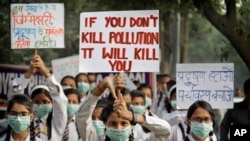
124 123
112 123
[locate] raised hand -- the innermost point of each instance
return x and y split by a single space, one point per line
113 83
38 63
120 108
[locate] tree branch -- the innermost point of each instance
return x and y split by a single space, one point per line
231 10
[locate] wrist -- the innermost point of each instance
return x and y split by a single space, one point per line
134 118
28 74
98 90
46 73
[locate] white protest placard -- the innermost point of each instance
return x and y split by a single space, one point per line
37 25
119 41
65 66
213 83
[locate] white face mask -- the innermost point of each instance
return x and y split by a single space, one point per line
148 102
201 130
173 104
92 85
118 134
83 87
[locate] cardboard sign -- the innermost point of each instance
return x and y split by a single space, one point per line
213 83
37 25
119 41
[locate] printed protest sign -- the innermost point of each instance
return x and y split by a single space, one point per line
37 25
119 41
213 83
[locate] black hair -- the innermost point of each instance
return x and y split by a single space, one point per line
136 82
145 86
72 91
49 123
39 91
246 86
167 104
93 74
172 92
137 93
106 112
79 74
101 103
171 83
204 105
124 91
70 77
49 118
26 101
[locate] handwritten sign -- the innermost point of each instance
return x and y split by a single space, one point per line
65 66
37 25
119 41
213 83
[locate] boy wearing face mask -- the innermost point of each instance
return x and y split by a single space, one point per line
117 117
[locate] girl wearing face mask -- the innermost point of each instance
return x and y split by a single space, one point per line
82 84
148 93
68 81
117 117
198 126
96 119
71 132
138 107
176 115
20 118
50 103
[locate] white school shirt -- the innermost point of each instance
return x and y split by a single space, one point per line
177 134
161 107
73 132
207 139
174 117
26 139
160 128
60 101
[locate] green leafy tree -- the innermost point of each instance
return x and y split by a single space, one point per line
228 23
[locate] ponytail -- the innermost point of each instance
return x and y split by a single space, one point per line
131 137
188 132
211 135
49 120
8 133
32 132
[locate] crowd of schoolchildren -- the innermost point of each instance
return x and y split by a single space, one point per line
74 110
